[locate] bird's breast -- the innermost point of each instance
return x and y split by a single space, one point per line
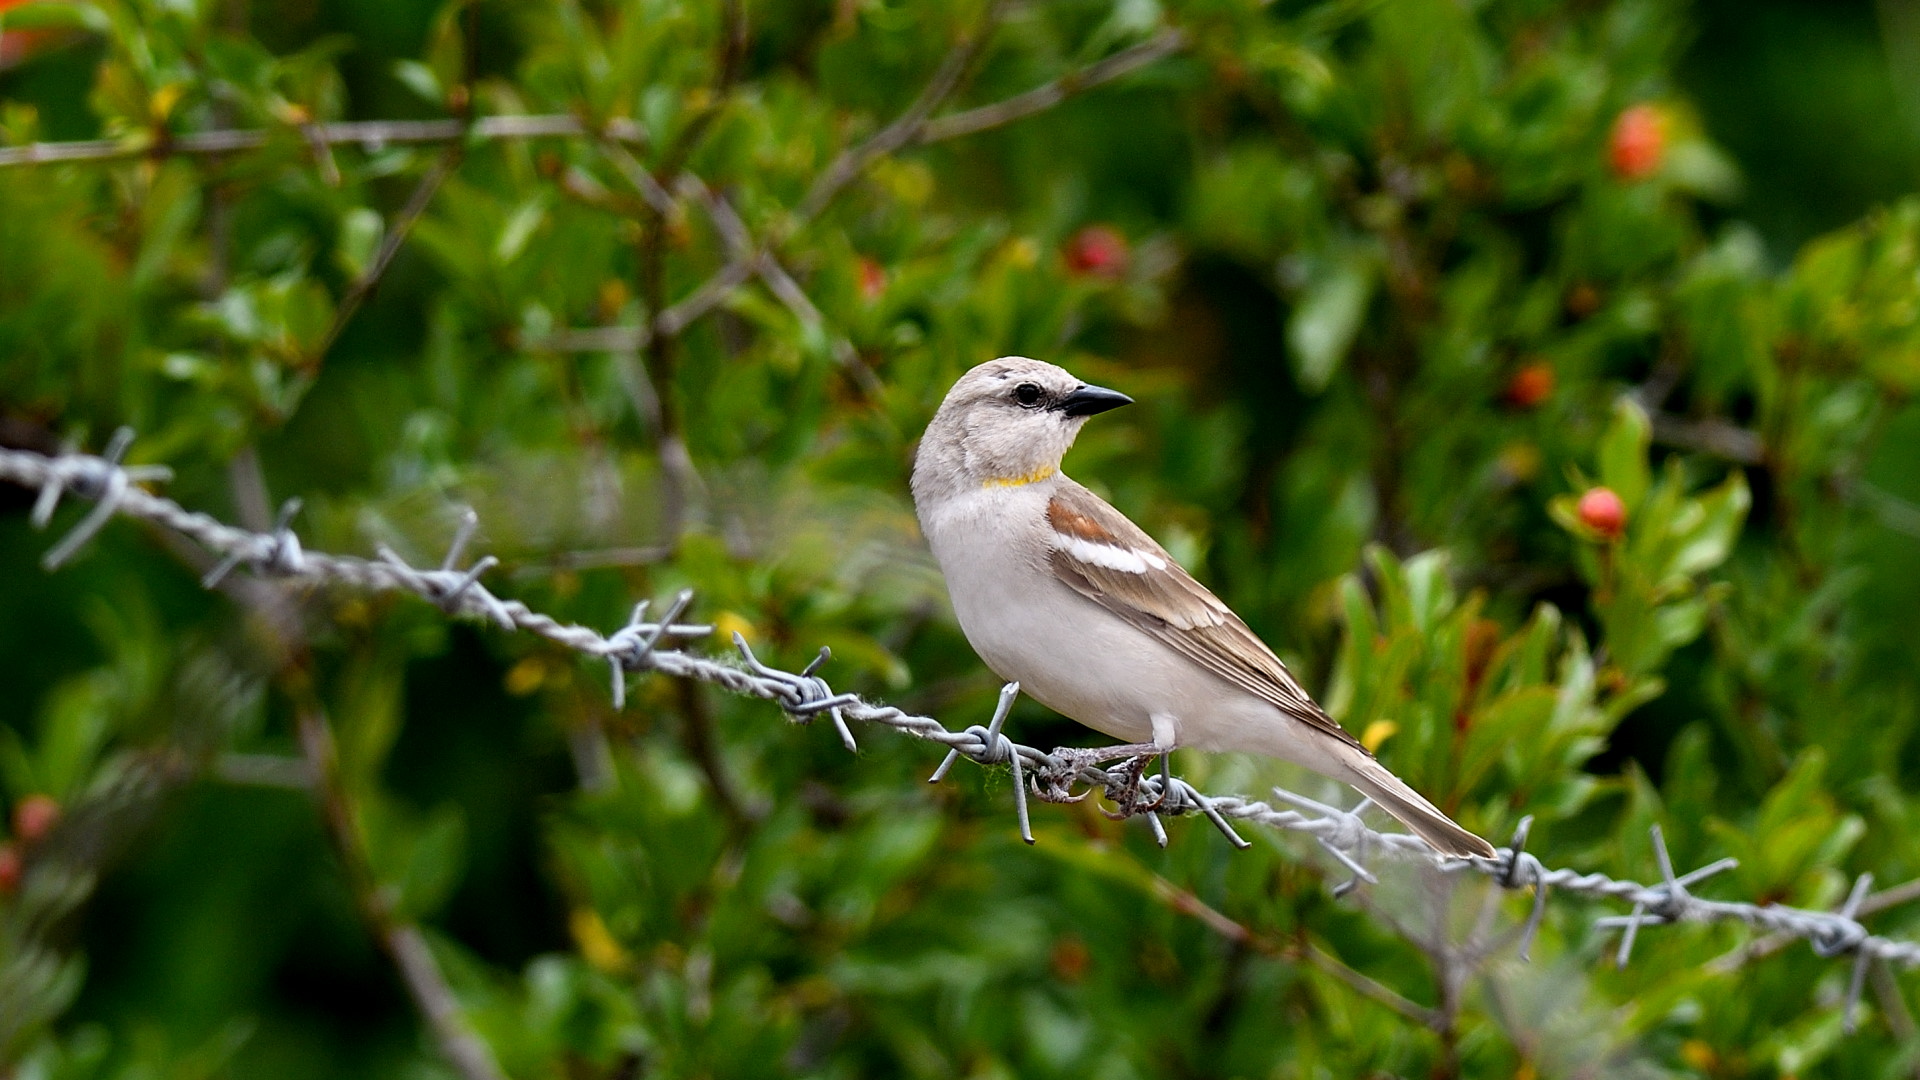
1066 651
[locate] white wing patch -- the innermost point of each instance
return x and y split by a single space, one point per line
1125 560
1104 557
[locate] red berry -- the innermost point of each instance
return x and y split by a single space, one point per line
34 817
872 278
1098 251
10 868
1530 386
1071 959
19 46
1603 512
1638 142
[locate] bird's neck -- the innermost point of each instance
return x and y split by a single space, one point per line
1031 476
955 458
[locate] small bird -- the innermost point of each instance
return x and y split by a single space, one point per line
1058 591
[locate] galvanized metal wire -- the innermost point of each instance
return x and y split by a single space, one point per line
638 647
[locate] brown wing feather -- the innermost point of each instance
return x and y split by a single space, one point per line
1169 604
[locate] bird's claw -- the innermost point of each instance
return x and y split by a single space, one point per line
1126 793
1123 785
1054 782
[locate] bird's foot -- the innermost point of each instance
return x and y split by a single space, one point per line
1055 783
1125 791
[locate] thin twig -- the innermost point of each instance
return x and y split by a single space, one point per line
1886 898
1894 512
643 181
1723 440
371 135
1368 987
910 127
1730 442
401 939
264 770
696 735
906 127
610 339
715 290
403 223
1892 1006
710 294
654 358
1047 95
733 232
317 771
601 559
733 55
1186 902
680 483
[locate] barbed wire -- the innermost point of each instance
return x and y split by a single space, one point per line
636 648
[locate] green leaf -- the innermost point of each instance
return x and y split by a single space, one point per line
1708 543
361 230
56 15
420 79
433 862
1321 330
518 229
1623 453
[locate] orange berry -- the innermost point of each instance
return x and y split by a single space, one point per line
19 46
1602 511
1530 385
1071 959
873 279
34 817
1098 251
1639 141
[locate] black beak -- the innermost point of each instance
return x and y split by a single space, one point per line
1092 399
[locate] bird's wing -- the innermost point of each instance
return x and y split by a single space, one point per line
1110 560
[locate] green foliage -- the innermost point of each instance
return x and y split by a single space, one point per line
1392 298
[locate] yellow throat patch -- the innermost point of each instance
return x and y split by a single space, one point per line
1022 480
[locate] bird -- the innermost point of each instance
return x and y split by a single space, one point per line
1060 592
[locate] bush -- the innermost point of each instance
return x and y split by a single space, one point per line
665 290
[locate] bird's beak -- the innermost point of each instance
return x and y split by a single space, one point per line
1092 399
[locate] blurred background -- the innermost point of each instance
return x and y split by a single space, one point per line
1536 377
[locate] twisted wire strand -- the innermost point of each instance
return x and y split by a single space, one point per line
805 696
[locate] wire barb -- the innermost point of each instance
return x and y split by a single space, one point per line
1668 902
106 483
994 748
1536 875
631 648
1352 836
283 554
1849 936
802 696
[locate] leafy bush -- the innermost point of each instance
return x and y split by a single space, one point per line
665 290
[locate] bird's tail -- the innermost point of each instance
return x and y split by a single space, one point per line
1420 816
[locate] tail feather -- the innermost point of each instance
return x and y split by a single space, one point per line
1414 811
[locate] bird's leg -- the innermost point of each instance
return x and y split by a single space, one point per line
1166 784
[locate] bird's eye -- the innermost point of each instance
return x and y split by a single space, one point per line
1027 394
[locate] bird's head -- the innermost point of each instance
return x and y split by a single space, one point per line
1007 422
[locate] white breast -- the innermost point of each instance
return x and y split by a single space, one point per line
1067 652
